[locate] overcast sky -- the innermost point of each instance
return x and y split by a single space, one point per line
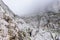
27 7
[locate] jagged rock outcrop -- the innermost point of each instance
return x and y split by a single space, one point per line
9 25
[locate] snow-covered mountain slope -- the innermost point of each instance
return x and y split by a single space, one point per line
40 27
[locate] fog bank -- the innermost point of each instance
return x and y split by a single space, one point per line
28 7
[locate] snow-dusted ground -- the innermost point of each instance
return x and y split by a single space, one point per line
40 27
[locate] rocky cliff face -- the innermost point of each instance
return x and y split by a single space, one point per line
9 25
44 27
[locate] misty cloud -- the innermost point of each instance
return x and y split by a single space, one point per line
28 7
